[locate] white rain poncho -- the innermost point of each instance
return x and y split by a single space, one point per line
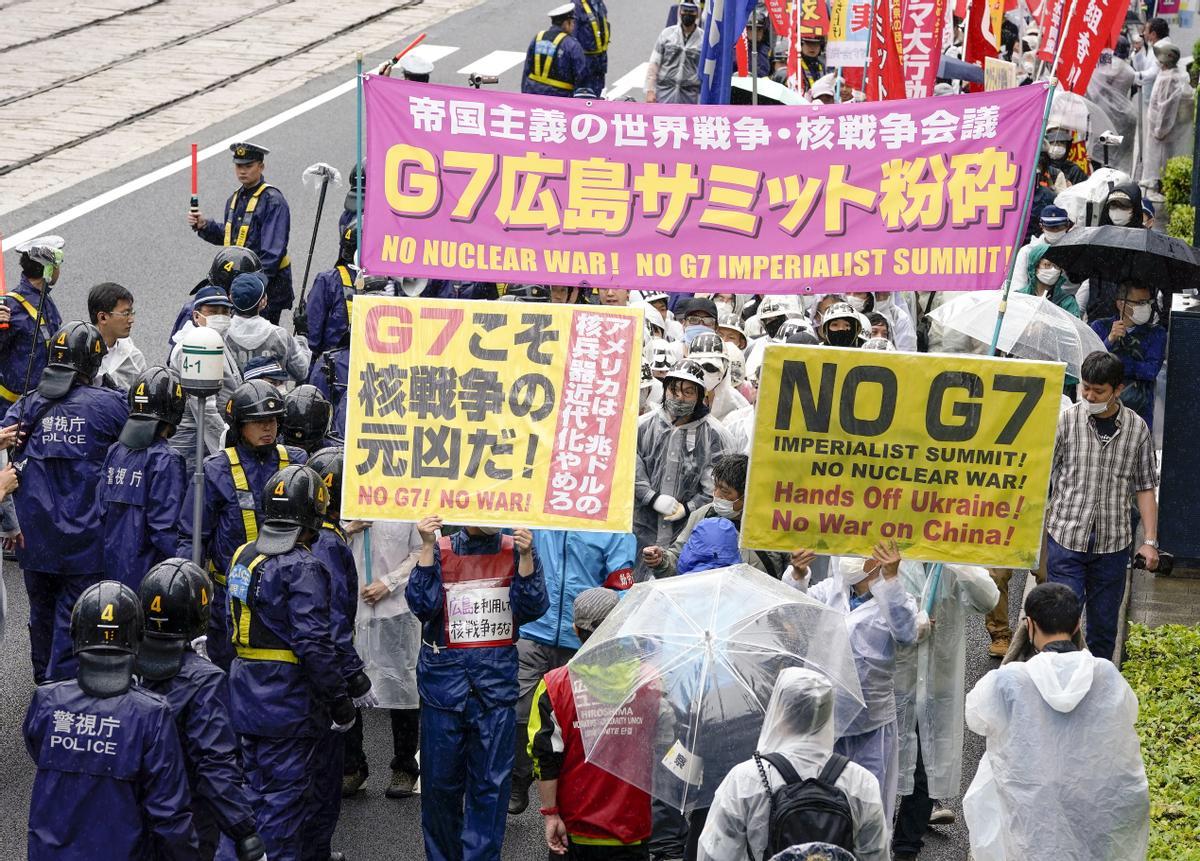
726 400
740 425
1062 776
1168 122
799 724
386 634
1109 88
931 675
876 629
675 461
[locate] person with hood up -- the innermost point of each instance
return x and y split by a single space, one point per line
729 495
1168 116
930 694
1062 776
176 598
251 334
144 481
797 726
900 325
1122 208
467 676
1058 143
1046 279
880 617
722 398
211 309
840 326
676 447
69 425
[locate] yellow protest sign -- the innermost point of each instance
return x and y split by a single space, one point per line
500 413
948 455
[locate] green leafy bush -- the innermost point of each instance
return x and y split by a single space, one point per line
1182 222
1177 180
1163 667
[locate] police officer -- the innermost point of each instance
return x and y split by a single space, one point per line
555 64
144 481
176 599
233 478
26 327
758 39
593 32
413 67
287 684
332 549
467 679
111 783
70 425
228 264
256 217
358 176
307 416
327 312
331 373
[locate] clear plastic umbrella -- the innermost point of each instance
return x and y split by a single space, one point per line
671 690
1034 328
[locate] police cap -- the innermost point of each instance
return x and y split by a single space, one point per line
247 153
176 598
106 628
416 68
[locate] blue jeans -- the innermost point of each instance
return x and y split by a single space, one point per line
1099 581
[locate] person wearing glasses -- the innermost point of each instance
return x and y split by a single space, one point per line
1136 336
110 307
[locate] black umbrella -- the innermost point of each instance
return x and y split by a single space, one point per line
1152 259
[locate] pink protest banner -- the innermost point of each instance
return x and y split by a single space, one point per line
904 195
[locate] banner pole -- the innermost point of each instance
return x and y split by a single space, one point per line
1025 210
358 186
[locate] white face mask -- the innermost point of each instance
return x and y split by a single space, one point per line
856 303
1097 409
1056 151
854 577
219 323
1052 237
1048 275
712 379
723 308
1140 315
881 302
1120 217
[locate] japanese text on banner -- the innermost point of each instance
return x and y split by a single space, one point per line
949 456
504 414
905 195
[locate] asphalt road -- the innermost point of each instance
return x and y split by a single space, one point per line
142 241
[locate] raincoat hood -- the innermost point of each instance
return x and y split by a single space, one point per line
1063 679
1036 253
1134 193
799 716
712 544
251 332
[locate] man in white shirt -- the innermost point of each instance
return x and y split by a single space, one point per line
110 308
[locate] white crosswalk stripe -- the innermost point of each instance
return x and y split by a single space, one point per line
432 53
494 64
634 79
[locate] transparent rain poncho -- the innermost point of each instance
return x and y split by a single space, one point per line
683 669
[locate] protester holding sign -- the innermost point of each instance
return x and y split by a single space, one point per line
471 591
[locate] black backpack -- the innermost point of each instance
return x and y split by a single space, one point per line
809 810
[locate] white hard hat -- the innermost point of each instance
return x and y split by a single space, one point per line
878 344
840 311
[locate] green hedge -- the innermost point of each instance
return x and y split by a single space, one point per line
1182 222
1177 180
1163 667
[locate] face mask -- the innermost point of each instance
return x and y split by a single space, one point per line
856 303
687 19
1120 217
712 379
772 325
1052 237
1056 152
883 302
723 308
722 507
219 323
841 338
677 409
1049 276
1140 315
1097 409
692 331
855 577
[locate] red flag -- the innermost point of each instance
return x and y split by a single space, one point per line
814 17
777 9
1085 35
979 43
1050 24
922 49
742 58
885 77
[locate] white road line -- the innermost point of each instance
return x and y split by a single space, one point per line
221 147
634 79
495 63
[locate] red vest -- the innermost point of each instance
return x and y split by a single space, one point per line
591 801
476 597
